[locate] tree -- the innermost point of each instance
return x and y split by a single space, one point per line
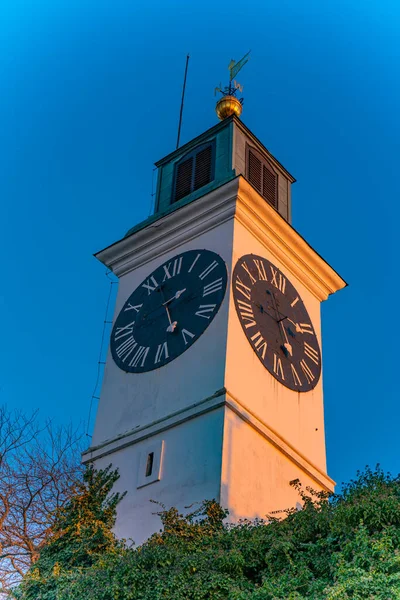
39 471
342 547
81 535
83 529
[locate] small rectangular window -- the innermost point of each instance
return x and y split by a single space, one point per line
149 464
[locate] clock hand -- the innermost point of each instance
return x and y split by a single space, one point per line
274 306
175 297
286 345
172 324
297 326
260 306
265 311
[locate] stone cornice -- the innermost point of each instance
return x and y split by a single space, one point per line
283 241
143 432
279 442
172 230
222 398
234 199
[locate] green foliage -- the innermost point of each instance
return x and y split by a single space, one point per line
81 537
346 546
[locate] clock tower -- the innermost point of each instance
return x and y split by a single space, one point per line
213 380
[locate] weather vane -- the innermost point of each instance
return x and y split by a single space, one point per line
229 104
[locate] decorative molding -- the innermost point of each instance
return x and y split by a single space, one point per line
146 431
283 241
172 230
222 398
236 199
280 443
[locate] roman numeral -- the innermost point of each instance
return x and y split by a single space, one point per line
278 280
126 348
189 335
150 285
246 268
311 353
261 269
242 288
123 331
194 262
204 309
259 343
210 288
295 301
175 269
307 371
278 369
306 328
246 313
296 378
131 307
140 355
161 350
208 270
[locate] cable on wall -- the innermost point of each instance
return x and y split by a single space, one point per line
100 362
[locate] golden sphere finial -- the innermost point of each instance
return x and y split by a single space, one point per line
228 105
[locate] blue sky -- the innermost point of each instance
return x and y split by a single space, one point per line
90 100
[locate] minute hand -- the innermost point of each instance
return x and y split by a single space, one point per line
172 325
286 345
298 327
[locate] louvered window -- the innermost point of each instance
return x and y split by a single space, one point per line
255 171
194 171
184 178
202 171
262 176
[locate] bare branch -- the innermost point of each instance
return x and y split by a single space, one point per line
39 471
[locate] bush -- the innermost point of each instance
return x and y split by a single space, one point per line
345 546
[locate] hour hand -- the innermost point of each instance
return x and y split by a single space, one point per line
303 328
175 297
296 325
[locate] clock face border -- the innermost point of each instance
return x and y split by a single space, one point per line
140 341
276 323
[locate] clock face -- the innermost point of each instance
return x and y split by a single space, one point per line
276 323
168 311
